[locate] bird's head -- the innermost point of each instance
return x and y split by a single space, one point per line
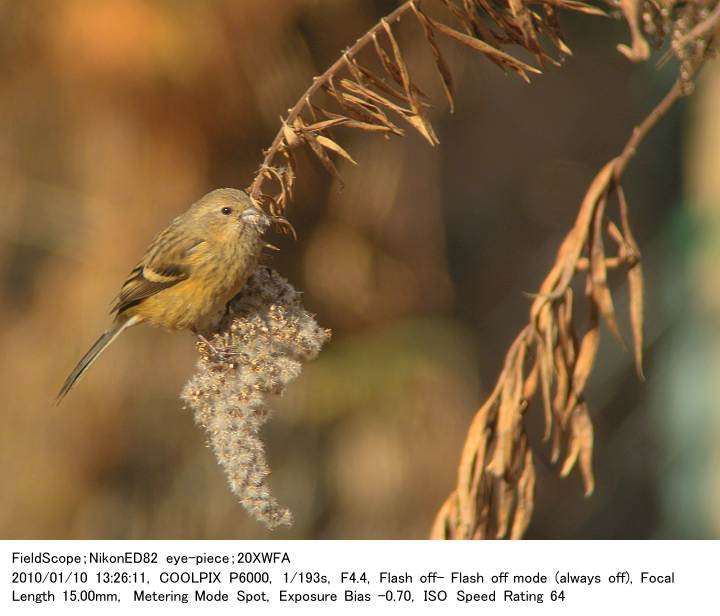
228 212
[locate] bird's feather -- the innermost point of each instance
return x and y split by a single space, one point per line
155 273
93 353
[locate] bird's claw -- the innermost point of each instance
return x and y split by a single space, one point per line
220 353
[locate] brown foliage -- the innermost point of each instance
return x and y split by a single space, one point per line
382 99
551 356
494 494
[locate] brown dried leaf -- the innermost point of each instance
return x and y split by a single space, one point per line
546 372
318 127
510 408
483 513
507 23
600 292
570 457
318 150
440 63
615 234
381 84
372 97
525 498
574 242
362 110
637 292
562 384
579 7
442 526
504 497
420 123
374 113
463 17
488 50
374 127
531 381
581 447
479 29
547 326
311 108
366 126
566 331
504 21
588 351
396 70
331 145
636 285
357 124
552 28
417 119
556 443
472 460
353 67
290 136
390 67
545 331
318 113
521 13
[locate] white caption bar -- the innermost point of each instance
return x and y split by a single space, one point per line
330 577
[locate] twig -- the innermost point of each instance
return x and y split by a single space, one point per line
318 83
703 28
641 130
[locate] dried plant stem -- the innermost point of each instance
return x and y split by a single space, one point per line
317 84
678 90
359 97
493 496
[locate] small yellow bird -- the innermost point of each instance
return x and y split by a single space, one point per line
189 272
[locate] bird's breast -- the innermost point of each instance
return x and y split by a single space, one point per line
216 276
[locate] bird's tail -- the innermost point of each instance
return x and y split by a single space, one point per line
89 358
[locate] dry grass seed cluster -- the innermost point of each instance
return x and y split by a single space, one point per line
259 349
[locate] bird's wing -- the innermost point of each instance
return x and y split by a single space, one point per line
164 265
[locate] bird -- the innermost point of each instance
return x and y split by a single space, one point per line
189 272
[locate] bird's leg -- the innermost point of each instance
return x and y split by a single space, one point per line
205 341
224 354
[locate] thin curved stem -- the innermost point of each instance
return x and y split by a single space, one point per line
641 130
318 83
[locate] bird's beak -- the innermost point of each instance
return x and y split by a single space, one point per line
256 218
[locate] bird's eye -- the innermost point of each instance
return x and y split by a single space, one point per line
227 211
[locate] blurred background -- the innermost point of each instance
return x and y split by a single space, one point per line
116 115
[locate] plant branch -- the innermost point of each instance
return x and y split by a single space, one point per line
319 82
641 130
372 99
493 496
